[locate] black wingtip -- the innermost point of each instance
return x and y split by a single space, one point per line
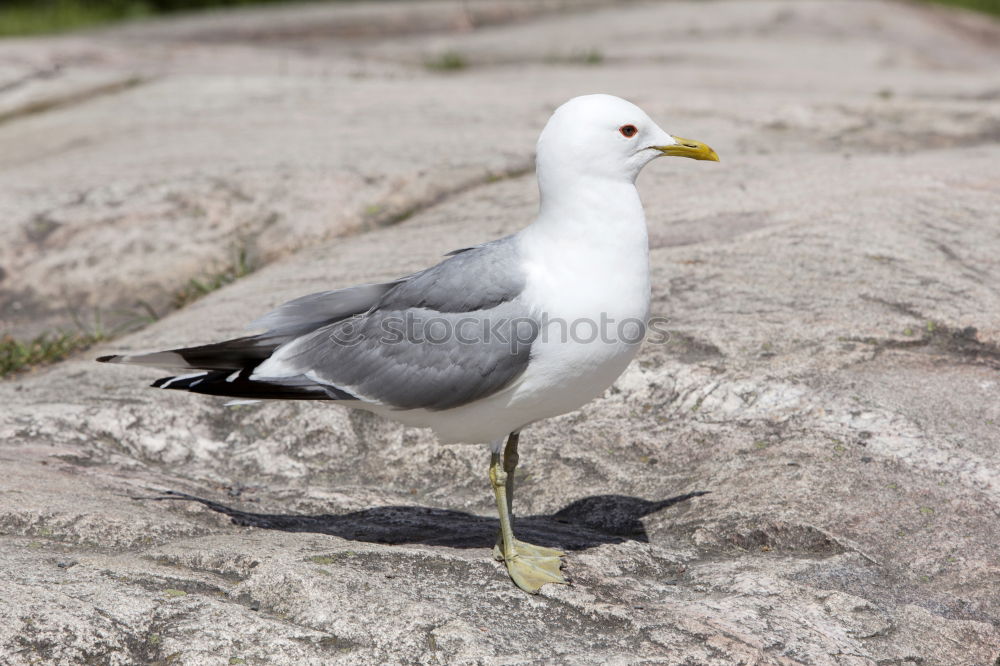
110 358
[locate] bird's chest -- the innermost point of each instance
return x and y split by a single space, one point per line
592 307
593 285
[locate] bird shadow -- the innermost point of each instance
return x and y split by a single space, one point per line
585 523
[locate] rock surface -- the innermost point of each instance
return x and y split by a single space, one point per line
807 472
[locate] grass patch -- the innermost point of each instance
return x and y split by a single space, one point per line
984 6
587 57
17 355
198 287
31 18
52 346
34 17
591 57
449 61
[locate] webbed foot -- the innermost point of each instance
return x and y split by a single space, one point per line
532 566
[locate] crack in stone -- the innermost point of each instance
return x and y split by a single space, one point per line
961 344
41 73
72 98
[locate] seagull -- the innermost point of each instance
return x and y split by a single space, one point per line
492 339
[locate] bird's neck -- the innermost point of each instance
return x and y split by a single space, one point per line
592 209
589 245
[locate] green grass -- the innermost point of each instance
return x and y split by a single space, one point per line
198 287
18 17
448 61
33 17
985 6
17 355
52 346
55 345
590 57
585 57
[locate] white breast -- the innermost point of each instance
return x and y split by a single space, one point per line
593 300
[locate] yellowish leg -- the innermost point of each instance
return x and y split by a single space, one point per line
529 566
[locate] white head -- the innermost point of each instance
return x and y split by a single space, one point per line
606 137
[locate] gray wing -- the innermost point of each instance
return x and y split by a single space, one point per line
308 313
441 338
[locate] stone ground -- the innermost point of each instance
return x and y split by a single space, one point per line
807 473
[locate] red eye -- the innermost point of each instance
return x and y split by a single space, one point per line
628 131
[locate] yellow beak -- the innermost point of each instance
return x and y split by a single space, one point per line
696 150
